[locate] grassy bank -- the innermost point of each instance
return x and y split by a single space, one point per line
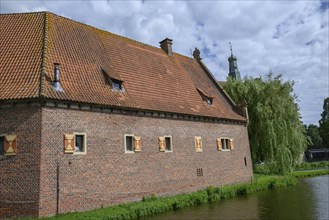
313 165
153 205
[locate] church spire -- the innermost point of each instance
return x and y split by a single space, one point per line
233 66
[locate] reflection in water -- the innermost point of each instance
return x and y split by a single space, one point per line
309 199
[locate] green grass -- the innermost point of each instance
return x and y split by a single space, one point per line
153 205
313 165
309 173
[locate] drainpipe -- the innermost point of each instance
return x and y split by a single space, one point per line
57 189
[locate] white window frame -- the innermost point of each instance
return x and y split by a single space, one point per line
229 141
84 143
125 143
171 146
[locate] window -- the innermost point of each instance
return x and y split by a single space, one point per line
80 145
168 143
209 100
117 85
132 143
2 146
129 143
225 144
165 143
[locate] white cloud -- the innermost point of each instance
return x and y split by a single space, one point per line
288 37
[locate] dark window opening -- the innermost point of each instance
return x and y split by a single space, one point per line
79 143
245 161
209 101
117 85
129 143
2 145
199 172
168 143
226 144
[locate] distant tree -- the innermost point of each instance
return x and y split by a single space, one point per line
312 132
324 123
276 133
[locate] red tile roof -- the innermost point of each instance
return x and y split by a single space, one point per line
32 42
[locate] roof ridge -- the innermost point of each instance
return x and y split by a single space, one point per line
114 34
18 13
117 35
44 55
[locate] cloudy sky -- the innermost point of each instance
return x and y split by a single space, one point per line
287 37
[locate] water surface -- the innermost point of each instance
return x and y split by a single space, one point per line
309 199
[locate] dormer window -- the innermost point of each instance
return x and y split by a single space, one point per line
115 84
207 99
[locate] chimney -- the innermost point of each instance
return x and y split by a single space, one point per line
57 79
166 45
56 73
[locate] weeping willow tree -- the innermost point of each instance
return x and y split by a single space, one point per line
277 136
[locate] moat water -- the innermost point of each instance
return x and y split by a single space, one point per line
309 199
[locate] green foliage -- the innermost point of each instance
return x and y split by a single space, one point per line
314 135
324 123
152 205
149 198
302 174
313 165
277 136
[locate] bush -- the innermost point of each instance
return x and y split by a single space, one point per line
313 165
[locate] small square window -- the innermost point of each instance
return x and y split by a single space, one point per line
117 85
225 144
2 146
80 145
129 143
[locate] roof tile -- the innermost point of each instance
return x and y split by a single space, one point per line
152 80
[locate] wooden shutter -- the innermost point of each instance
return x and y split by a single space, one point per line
69 143
162 146
137 143
231 144
198 144
219 144
10 145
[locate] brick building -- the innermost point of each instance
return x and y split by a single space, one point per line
89 119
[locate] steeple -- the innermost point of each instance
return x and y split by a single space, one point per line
233 66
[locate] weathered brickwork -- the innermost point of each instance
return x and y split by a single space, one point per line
20 174
107 175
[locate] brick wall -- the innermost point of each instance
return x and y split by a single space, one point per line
19 175
106 175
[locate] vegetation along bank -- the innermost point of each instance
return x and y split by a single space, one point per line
154 205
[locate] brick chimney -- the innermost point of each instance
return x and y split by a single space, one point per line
166 45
